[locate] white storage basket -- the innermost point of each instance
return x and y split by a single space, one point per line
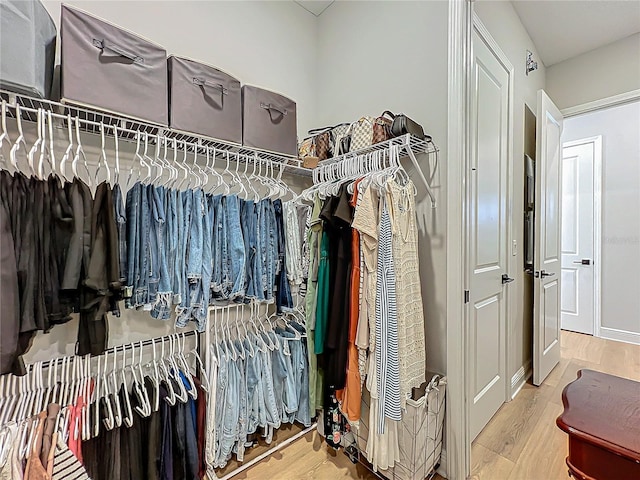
420 435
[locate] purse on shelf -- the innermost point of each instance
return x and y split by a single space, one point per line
382 127
361 133
337 134
306 148
322 142
345 144
402 125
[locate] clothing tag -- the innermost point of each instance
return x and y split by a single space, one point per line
147 307
336 437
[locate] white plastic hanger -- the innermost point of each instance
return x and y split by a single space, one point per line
171 394
36 144
117 414
78 154
109 420
102 159
192 390
13 154
145 394
155 378
69 150
4 134
182 394
116 173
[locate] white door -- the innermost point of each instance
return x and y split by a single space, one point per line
488 192
547 257
578 230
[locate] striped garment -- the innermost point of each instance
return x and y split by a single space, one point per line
66 466
387 359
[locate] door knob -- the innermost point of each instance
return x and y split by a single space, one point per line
584 261
546 274
506 279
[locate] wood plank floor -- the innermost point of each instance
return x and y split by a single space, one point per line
522 442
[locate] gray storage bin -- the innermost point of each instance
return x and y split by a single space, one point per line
112 69
27 48
268 121
204 100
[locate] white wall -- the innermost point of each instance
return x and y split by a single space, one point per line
270 43
503 23
266 43
620 130
600 73
374 56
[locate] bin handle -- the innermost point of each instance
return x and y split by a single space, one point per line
268 106
102 45
201 82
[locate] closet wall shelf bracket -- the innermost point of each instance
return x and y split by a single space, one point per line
91 119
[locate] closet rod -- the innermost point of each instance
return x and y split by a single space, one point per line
117 349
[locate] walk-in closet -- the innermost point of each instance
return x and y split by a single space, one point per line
222 235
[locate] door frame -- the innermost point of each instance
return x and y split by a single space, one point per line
596 141
508 292
458 453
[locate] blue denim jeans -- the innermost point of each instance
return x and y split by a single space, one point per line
162 303
283 294
233 281
195 242
217 235
249 232
289 351
243 406
180 249
207 265
253 383
279 372
268 245
268 390
132 211
184 308
221 405
300 361
231 414
138 251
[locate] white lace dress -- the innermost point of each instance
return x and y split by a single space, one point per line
411 338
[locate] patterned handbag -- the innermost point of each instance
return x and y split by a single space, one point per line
306 148
361 133
382 127
322 142
337 133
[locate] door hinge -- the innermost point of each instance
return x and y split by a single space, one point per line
466 296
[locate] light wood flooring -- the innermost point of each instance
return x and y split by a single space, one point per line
522 441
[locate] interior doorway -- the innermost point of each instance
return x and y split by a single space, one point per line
581 234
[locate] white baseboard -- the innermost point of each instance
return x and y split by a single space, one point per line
520 378
620 335
442 470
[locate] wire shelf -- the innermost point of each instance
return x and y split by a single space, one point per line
93 120
417 145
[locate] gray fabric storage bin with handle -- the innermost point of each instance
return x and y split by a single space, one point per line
204 100
27 48
269 121
112 69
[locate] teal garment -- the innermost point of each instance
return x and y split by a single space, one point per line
322 308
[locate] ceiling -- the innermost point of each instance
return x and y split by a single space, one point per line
314 6
564 29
